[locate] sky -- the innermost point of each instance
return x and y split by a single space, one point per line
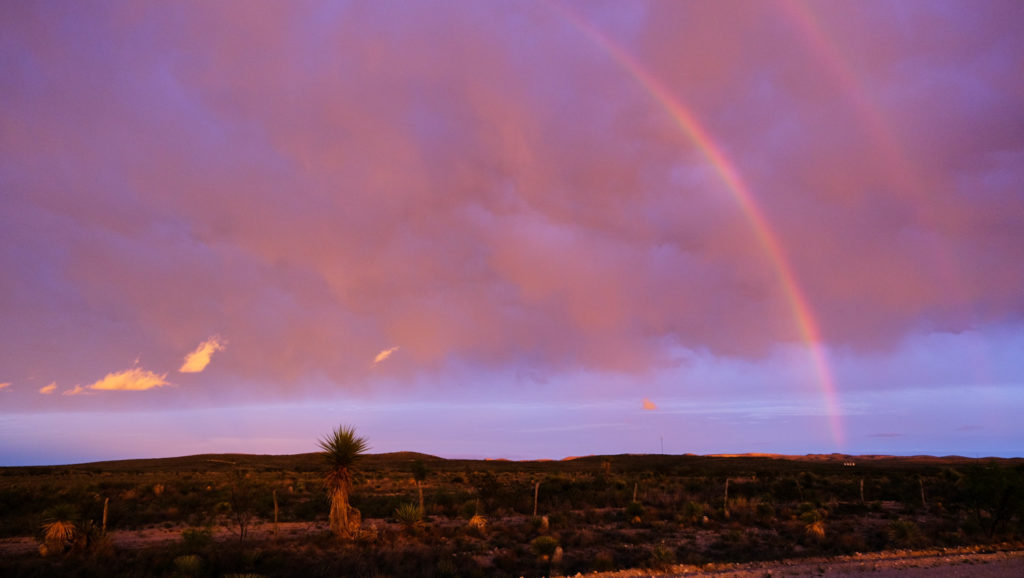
523 230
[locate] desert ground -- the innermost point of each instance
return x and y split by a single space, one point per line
626 515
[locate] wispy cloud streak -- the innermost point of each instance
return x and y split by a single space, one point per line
383 355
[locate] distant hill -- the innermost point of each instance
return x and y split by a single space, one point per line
621 462
207 462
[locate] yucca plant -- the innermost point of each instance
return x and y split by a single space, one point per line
814 523
409 516
477 526
59 529
341 450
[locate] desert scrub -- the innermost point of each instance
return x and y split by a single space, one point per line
409 516
196 539
904 534
635 512
544 547
662 558
188 565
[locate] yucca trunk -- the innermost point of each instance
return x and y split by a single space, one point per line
339 511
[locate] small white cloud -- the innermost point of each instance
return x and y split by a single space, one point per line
48 389
197 360
384 355
135 379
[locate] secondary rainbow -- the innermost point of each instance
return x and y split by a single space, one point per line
905 177
691 127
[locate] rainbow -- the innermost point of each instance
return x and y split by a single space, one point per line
828 52
905 176
730 176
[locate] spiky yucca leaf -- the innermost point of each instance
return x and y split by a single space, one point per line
58 528
59 531
815 530
408 514
343 448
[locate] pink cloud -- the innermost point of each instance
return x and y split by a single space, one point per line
135 379
48 389
383 355
197 360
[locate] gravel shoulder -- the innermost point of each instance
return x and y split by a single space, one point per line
971 562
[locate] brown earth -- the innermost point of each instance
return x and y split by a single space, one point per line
968 562
162 536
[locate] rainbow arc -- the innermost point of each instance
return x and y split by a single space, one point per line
730 176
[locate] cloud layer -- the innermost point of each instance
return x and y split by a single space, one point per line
487 185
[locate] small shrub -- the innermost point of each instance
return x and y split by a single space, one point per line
692 512
544 546
904 534
540 524
196 539
408 515
662 558
188 565
604 561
